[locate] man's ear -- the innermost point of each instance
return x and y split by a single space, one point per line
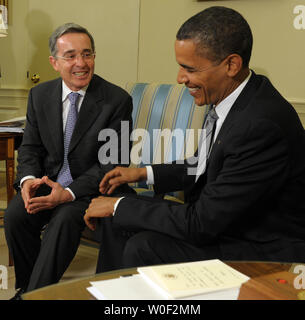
234 64
53 62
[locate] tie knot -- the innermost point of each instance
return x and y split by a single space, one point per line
73 97
212 115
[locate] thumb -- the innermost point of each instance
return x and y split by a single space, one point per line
49 182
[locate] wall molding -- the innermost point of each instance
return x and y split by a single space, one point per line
299 105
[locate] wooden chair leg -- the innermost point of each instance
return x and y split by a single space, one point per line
10 260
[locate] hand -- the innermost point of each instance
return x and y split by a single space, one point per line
28 190
57 196
100 207
121 175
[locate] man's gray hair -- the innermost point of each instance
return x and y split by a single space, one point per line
64 29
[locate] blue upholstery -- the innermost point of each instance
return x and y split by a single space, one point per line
164 107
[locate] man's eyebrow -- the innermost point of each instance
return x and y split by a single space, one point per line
187 67
69 51
73 51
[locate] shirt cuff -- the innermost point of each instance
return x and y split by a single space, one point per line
72 194
116 204
26 178
150 175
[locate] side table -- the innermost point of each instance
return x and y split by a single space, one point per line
9 142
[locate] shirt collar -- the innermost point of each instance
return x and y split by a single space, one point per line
223 108
66 91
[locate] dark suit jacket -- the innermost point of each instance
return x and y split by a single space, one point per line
41 152
251 199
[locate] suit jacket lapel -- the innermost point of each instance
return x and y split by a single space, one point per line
240 104
53 113
89 111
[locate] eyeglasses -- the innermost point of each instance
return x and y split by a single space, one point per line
72 56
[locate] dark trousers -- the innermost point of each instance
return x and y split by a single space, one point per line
41 258
121 249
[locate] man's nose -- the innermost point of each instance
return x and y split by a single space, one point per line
80 60
181 76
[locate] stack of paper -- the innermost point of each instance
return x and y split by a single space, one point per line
13 125
202 280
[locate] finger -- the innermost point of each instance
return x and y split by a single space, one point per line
25 196
37 181
34 206
42 208
49 182
104 189
109 175
112 188
90 222
41 200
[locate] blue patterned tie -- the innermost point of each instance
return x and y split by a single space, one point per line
64 177
206 141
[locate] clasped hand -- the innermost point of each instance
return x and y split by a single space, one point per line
34 204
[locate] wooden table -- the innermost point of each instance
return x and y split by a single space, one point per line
76 289
9 142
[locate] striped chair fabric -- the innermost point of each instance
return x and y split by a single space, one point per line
166 107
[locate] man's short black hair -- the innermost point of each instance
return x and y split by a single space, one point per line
218 32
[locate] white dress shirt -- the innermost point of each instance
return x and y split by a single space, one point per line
65 110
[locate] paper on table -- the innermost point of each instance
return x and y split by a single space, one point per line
137 288
192 278
124 288
13 125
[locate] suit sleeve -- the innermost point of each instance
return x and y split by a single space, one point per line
171 177
88 182
255 166
31 153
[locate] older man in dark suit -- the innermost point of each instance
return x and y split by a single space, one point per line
245 198
58 165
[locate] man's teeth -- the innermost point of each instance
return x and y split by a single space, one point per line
79 73
193 89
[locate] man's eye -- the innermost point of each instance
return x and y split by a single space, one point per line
70 56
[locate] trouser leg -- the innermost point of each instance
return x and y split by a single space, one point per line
112 244
59 244
122 249
151 248
22 231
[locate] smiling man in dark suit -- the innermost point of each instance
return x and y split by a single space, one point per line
246 200
58 167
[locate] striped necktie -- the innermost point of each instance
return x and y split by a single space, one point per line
64 177
206 142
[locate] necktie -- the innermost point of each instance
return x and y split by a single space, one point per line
64 177
206 141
